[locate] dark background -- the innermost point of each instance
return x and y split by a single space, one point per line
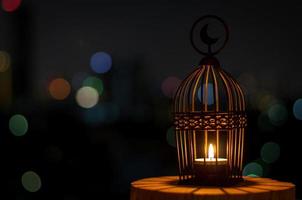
148 41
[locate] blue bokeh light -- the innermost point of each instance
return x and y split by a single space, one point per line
101 62
297 109
253 169
201 94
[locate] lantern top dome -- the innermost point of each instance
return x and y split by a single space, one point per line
209 88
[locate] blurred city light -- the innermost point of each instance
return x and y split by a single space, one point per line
210 93
297 109
4 61
87 97
170 85
18 125
270 152
95 83
59 89
101 62
31 181
253 169
10 5
277 114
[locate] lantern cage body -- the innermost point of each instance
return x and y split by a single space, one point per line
210 121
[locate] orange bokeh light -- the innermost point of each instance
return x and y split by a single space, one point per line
59 89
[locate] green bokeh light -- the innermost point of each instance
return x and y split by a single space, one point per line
264 123
270 152
253 169
171 137
277 114
95 83
266 168
18 125
31 181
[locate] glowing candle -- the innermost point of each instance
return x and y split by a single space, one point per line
211 160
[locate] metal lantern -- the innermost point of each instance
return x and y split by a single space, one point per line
209 119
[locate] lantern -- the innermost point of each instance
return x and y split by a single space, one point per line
209 119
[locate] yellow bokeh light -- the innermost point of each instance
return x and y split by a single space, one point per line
87 97
4 61
59 89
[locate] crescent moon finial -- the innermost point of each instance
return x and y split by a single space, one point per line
206 39
205 36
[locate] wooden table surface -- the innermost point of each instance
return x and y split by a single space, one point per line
167 188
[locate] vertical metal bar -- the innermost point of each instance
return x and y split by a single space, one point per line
217 146
182 153
217 103
191 151
242 142
194 143
235 152
227 145
230 98
180 93
178 153
231 151
239 153
228 152
185 153
205 94
205 146
195 88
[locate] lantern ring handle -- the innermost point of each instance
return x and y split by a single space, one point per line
205 38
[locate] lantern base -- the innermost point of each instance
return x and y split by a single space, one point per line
213 175
166 187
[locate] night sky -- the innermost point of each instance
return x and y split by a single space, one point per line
86 150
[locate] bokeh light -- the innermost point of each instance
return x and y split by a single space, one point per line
265 167
210 93
171 137
59 89
31 181
101 62
18 125
277 114
95 83
170 85
265 101
297 109
264 122
87 97
77 79
4 61
102 113
253 169
270 152
10 5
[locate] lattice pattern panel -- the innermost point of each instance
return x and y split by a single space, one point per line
208 121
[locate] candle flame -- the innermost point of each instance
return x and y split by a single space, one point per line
211 152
